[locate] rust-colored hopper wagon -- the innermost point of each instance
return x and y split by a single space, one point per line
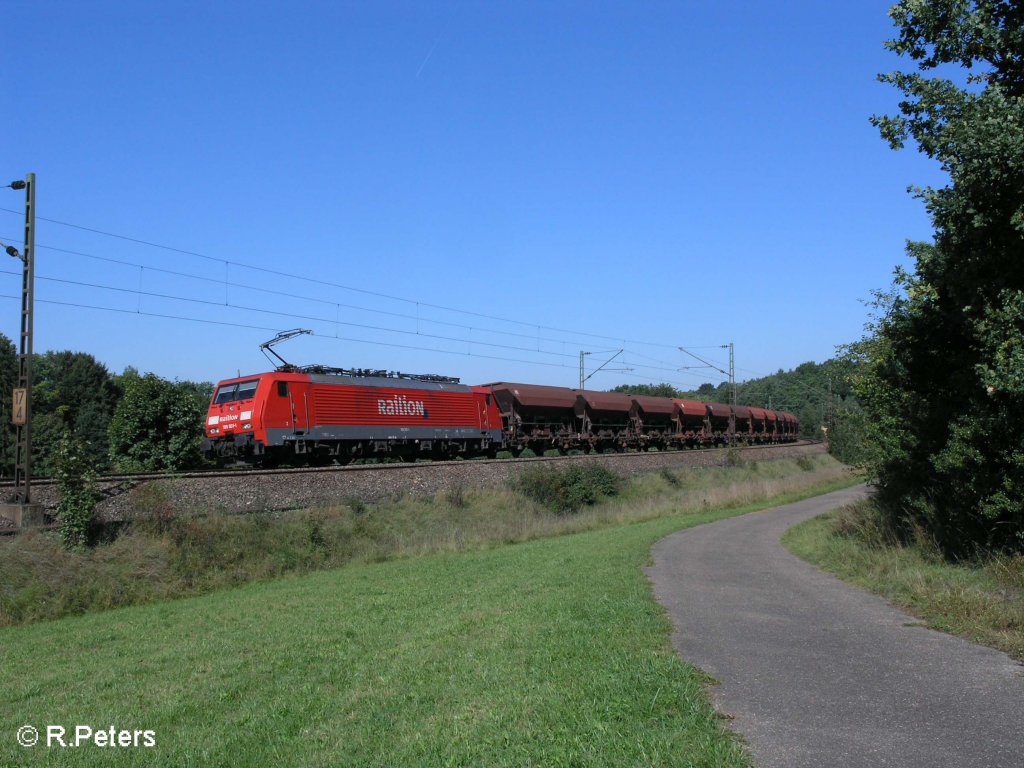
606 419
741 416
536 416
792 427
758 426
719 416
692 418
655 419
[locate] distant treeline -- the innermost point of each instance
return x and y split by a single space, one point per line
127 422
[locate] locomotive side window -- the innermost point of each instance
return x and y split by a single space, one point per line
282 389
487 398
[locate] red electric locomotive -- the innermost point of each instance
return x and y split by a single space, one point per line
325 416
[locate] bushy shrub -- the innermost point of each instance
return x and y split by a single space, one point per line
157 425
76 489
566 490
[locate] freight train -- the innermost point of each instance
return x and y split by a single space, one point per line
317 415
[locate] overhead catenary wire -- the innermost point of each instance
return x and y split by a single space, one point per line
335 321
320 281
664 367
279 313
329 302
249 326
373 342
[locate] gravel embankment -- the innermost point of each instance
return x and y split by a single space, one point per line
299 489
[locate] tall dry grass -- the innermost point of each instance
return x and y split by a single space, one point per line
155 558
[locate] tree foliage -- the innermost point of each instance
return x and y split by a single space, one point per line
157 424
941 373
76 399
77 496
8 380
75 390
655 390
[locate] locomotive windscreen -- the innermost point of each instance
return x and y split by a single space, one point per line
242 390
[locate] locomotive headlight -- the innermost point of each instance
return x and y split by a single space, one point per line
214 431
247 425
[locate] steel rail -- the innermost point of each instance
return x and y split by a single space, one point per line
393 466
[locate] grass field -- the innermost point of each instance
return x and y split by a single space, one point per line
160 559
982 601
550 652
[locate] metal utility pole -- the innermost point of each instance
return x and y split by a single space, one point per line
19 508
831 407
22 397
732 371
582 356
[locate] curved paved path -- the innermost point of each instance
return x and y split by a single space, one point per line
818 673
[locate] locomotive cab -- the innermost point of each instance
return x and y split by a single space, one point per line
230 419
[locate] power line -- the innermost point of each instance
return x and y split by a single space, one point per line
285 294
121 237
278 330
320 281
335 321
148 314
248 326
313 318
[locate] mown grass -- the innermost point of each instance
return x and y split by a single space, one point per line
550 652
981 600
158 558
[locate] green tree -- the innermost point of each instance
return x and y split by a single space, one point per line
656 390
158 424
81 389
707 389
940 376
8 380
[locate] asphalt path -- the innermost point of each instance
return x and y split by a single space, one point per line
815 672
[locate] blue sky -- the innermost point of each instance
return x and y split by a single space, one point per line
564 176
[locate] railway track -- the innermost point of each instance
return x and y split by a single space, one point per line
240 491
389 466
